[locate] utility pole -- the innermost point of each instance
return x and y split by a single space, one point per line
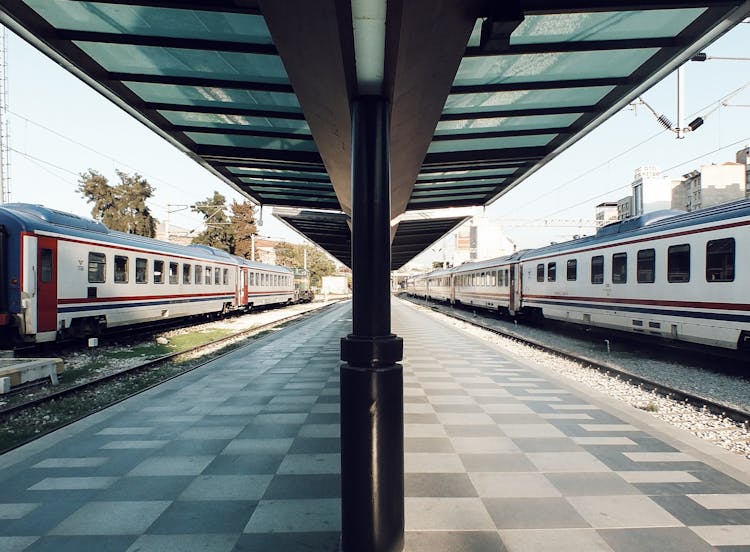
4 160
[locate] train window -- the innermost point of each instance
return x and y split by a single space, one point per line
225 276
208 272
507 277
646 266
121 269
174 275
551 272
494 278
141 267
217 276
597 269
158 272
97 265
198 274
678 263
45 268
540 272
620 268
572 270
720 260
186 274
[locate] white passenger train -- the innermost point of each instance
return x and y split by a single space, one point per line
67 276
681 276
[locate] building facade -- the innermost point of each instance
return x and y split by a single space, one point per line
711 185
606 212
652 191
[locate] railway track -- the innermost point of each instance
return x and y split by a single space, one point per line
83 399
713 405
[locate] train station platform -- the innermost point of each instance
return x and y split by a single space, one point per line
243 454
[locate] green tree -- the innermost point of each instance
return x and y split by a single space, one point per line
218 232
243 227
292 255
121 207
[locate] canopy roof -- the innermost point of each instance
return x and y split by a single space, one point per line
331 231
259 91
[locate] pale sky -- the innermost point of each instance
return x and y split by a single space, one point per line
59 128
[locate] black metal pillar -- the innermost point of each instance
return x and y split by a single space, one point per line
372 406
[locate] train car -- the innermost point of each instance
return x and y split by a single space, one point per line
492 285
671 274
417 286
678 276
264 284
439 285
67 276
302 289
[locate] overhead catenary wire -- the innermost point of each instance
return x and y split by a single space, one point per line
114 160
706 111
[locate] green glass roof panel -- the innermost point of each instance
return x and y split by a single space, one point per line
613 25
440 193
153 21
454 183
430 177
476 34
218 120
275 173
491 143
618 25
526 99
182 62
313 187
211 96
506 123
550 66
258 142
467 197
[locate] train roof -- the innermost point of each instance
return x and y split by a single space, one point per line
30 217
650 223
258 265
479 265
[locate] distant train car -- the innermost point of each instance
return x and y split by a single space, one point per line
437 285
67 276
302 289
264 284
492 285
681 276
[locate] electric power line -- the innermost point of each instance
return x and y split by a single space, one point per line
718 103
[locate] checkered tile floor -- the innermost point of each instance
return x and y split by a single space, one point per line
243 454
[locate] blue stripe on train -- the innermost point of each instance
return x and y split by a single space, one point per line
107 306
647 311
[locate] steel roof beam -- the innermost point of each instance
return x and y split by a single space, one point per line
223 110
200 81
167 42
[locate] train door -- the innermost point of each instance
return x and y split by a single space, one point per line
452 291
46 285
513 302
243 286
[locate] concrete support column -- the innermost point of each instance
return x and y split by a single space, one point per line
372 409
